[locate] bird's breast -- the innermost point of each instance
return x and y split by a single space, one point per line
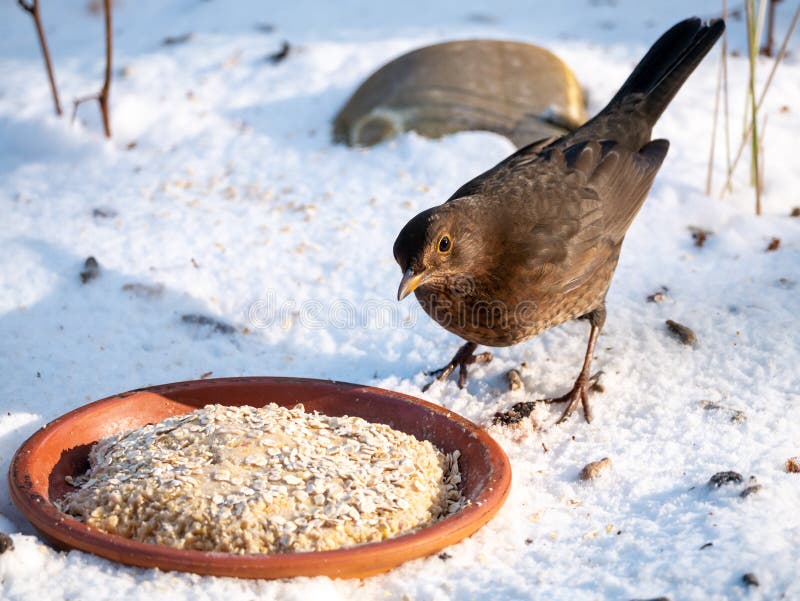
479 316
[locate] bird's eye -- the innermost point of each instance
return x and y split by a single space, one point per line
445 244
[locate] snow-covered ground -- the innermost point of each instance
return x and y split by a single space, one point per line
222 190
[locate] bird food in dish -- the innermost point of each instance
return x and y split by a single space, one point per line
264 480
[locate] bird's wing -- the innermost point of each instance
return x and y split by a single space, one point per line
487 179
618 177
567 210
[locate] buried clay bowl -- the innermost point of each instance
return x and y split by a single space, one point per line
518 90
61 448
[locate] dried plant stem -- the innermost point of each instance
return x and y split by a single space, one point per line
722 79
102 97
752 52
761 152
762 18
714 131
749 130
33 10
725 90
753 27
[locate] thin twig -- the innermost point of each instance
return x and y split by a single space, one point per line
33 10
103 95
766 49
79 101
749 132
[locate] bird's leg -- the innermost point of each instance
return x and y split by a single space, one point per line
464 357
579 392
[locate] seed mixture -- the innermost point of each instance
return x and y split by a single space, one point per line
263 480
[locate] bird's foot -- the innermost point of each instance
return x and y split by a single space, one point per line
464 357
578 395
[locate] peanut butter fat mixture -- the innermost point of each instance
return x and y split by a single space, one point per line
264 480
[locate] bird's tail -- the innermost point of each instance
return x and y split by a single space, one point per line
667 65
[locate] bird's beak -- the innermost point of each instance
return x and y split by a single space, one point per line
410 282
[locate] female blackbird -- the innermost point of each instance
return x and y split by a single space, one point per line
534 241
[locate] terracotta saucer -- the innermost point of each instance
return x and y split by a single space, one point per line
61 448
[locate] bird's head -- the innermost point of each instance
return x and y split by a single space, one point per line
436 245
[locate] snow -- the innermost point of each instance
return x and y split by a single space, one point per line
234 200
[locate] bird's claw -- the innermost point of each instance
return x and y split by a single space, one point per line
578 394
573 397
440 375
462 359
442 372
